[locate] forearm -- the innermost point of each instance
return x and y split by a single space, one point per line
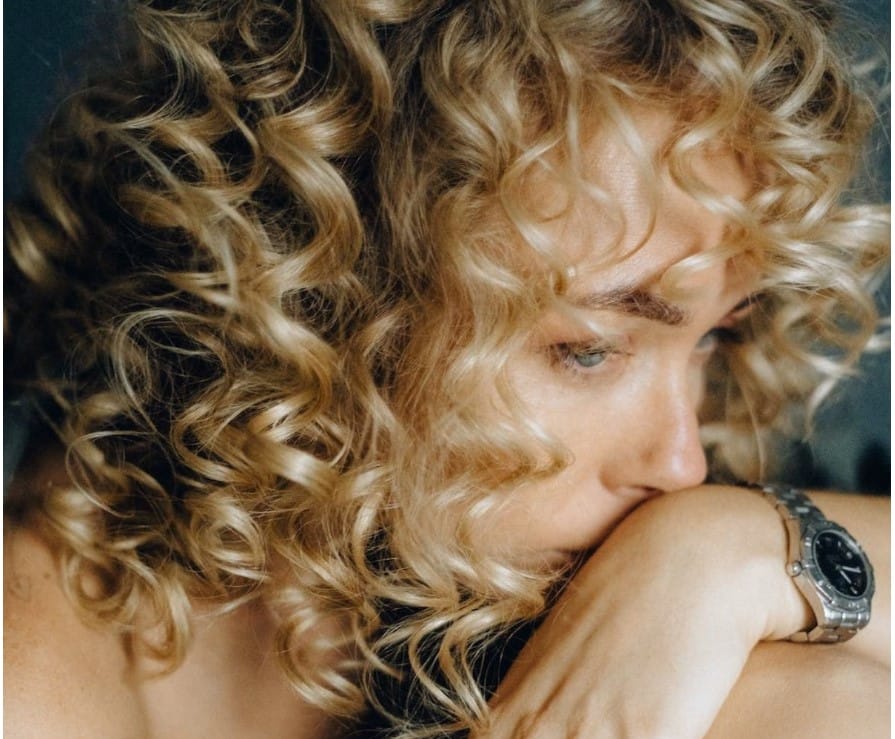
815 690
795 691
652 636
658 625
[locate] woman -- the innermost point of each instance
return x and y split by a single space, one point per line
368 334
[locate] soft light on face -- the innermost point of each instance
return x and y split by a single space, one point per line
618 377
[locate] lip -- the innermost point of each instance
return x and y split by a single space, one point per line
629 499
636 494
549 560
559 557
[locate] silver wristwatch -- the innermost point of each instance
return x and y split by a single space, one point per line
828 566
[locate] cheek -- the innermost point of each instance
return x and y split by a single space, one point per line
597 423
569 512
572 510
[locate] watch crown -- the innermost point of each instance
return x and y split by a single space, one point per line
794 568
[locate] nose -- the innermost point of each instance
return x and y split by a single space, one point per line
670 456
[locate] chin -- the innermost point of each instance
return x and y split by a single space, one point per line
547 560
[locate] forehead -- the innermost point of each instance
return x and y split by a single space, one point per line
636 211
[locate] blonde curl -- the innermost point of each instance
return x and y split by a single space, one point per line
266 272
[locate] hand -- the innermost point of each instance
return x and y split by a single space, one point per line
651 635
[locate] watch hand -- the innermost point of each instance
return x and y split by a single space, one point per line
856 570
840 568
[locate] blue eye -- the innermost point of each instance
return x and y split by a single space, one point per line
582 356
590 357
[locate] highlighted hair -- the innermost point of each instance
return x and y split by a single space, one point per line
264 273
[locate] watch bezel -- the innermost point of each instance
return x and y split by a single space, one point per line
810 532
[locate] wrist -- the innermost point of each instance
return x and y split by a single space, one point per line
705 577
738 544
828 566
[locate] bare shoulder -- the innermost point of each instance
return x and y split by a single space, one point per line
788 691
62 677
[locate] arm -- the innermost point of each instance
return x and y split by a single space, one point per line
794 690
653 633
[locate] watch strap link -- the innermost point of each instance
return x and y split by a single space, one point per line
792 503
838 626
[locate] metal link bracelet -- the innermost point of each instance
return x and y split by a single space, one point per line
827 565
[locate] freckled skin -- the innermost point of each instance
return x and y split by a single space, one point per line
629 421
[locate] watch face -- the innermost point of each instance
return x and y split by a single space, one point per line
841 562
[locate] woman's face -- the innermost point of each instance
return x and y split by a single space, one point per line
624 401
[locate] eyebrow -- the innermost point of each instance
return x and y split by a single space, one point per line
635 301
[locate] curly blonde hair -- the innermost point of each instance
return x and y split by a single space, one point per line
263 273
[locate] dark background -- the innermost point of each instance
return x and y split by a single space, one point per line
850 448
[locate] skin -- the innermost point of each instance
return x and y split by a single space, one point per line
70 678
619 386
667 630
64 677
656 635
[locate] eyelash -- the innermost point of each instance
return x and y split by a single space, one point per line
568 354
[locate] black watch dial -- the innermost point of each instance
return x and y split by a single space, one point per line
841 563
